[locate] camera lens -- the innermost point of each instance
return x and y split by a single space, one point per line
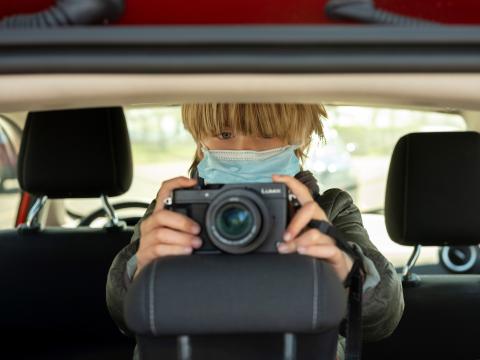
234 221
237 221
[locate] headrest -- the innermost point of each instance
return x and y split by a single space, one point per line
75 153
232 294
433 189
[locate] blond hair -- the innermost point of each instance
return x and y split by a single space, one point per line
294 123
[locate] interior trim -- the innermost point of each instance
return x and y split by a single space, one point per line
64 91
241 49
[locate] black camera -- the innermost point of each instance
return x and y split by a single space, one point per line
237 218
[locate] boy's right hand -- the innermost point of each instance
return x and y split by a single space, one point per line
166 232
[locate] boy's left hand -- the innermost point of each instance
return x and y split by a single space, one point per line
311 241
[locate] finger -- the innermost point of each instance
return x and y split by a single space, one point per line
312 237
340 261
154 252
171 237
170 219
327 252
147 255
286 247
167 188
296 187
301 218
308 238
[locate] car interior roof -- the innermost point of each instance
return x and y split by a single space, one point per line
445 92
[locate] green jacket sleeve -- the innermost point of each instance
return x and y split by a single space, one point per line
383 304
117 280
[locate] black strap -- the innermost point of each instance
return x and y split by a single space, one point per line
354 282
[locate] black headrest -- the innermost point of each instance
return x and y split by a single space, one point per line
433 189
75 153
228 294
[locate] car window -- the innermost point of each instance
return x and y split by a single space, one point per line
10 136
161 149
366 138
355 157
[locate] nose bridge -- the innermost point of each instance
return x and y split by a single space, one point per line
246 143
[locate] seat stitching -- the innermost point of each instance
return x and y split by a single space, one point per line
151 302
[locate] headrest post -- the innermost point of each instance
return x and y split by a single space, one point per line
406 272
112 215
32 217
289 346
184 348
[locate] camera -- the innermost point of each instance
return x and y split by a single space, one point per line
237 218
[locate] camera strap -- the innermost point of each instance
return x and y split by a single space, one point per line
354 282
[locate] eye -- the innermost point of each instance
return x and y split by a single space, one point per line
225 135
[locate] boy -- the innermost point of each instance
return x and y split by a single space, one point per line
239 143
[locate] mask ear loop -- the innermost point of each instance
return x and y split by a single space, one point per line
203 148
295 147
200 181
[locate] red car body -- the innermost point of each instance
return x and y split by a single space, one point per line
286 12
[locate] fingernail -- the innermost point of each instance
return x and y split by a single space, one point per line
196 243
282 248
195 229
287 236
301 250
187 250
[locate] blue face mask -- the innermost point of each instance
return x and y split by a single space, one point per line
247 166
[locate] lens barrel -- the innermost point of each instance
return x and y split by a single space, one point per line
234 221
237 221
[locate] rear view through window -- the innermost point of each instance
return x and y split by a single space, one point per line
10 136
355 157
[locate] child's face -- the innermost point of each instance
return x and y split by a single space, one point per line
227 140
